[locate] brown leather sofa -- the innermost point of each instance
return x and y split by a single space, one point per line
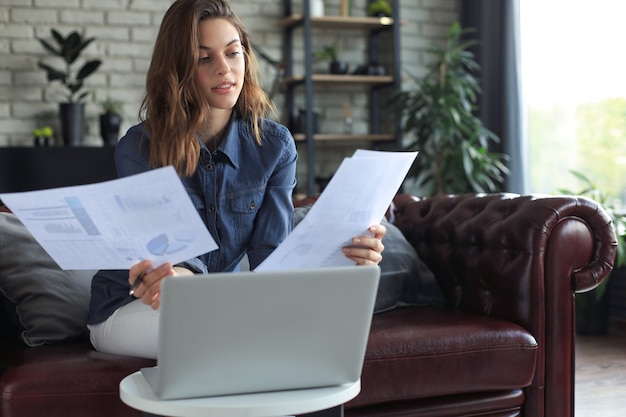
509 267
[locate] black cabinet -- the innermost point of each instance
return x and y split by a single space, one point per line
27 169
308 82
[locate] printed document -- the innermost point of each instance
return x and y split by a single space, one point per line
115 224
356 197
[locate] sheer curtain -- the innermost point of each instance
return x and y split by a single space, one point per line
497 30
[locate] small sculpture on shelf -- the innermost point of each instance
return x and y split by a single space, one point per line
110 121
374 68
316 8
44 136
347 118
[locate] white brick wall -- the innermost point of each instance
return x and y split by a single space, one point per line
125 31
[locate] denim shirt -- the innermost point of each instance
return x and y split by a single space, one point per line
243 193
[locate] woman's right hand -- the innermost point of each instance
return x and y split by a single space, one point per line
149 289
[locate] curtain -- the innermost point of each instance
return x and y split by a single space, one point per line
495 25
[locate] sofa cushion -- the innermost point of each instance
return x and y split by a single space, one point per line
422 352
404 279
45 303
48 304
64 379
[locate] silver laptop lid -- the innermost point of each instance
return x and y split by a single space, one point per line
232 333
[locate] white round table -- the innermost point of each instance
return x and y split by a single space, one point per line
137 393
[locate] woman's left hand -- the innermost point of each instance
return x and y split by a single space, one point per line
367 250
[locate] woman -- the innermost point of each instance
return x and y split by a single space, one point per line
204 114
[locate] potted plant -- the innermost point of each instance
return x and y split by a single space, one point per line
592 307
331 53
379 8
44 136
110 121
438 116
72 110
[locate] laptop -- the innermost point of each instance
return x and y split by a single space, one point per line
248 332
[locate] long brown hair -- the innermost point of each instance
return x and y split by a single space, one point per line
174 107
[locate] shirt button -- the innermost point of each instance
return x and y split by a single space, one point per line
209 167
211 209
252 206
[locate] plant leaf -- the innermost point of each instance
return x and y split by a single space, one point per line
439 113
51 49
88 69
53 73
60 40
71 47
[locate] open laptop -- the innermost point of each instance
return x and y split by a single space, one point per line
245 332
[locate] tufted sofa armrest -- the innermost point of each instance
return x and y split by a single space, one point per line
519 258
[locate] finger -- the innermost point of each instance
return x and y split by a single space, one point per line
152 280
378 231
137 269
372 243
150 288
156 301
136 275
363 261
362 256
136 283
166 270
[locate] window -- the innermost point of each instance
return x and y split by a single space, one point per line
574 87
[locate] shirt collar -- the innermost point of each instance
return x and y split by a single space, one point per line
229 145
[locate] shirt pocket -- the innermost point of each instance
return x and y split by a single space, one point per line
244 207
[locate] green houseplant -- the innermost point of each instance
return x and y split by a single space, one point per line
379 8
72 109
44 136
331 53
592 307
438 116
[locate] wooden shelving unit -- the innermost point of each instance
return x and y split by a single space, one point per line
307 82
338 22
332 137
341 79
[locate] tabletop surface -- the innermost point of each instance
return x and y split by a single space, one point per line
137 393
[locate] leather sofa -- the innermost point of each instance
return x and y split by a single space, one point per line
509 267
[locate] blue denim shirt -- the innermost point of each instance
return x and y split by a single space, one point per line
243 194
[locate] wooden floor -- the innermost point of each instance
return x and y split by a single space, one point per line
600 376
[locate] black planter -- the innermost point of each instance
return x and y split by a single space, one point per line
41 141
592 312
72 123
110 128
338 67
301 122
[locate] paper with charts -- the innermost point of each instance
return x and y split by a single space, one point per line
356 197
115 224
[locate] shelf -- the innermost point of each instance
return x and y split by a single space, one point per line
341 79
339 22
300 137
381 38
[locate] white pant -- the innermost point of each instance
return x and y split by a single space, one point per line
131 330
